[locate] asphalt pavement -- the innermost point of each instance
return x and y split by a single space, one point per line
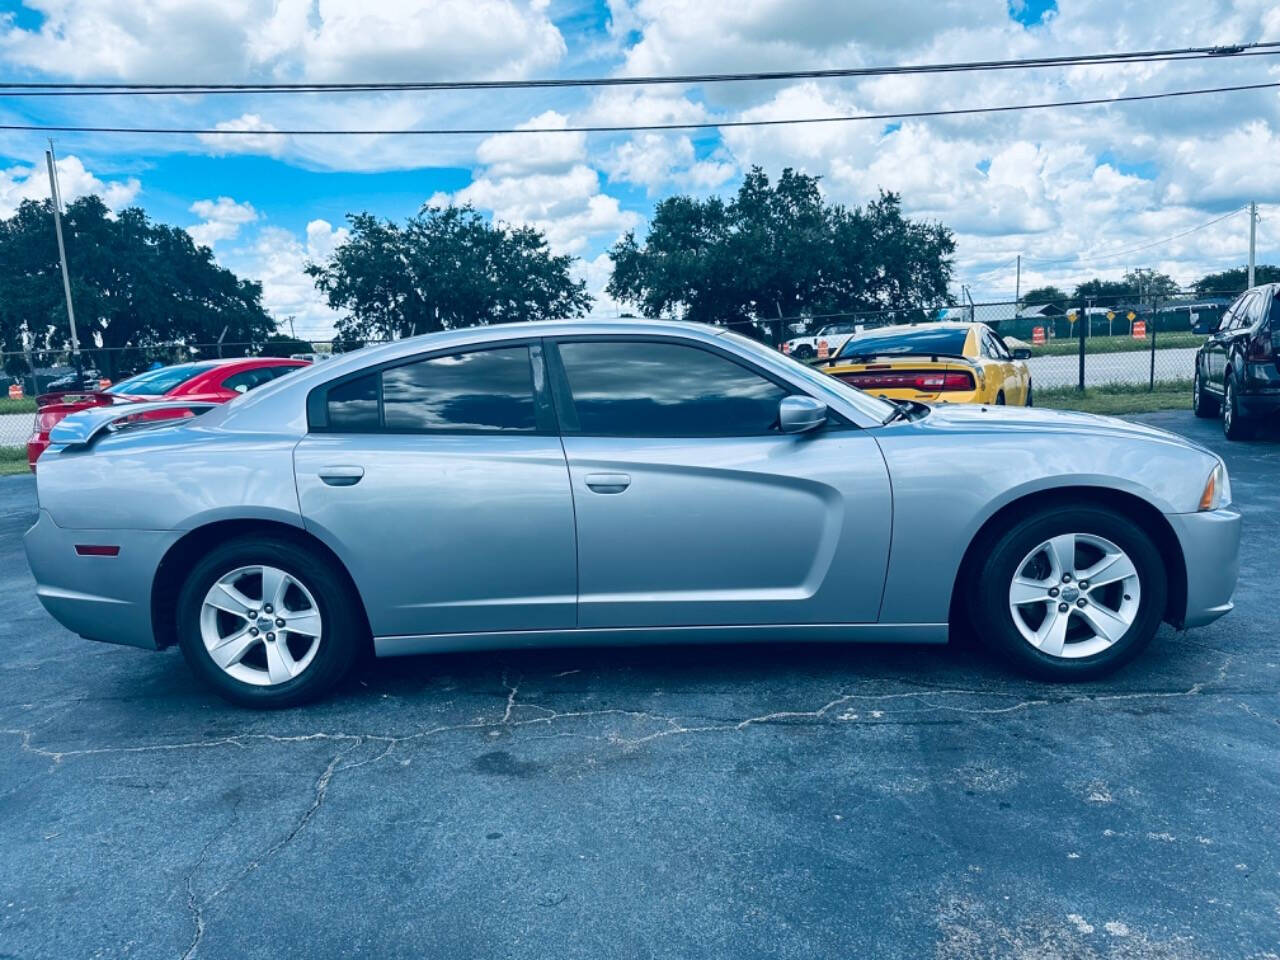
734 802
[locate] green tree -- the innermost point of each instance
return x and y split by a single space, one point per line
1040 295
446 267
135 284
1103 293
1235 280
780 250
1150 284
282 345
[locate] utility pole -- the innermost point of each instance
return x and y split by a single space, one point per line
1253 236
62 258
1017 286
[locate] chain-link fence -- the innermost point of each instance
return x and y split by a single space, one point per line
1140 342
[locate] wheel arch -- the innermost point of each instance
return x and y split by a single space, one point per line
1128 505
182 556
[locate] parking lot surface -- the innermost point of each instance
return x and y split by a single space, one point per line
781 801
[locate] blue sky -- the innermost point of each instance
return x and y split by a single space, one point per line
1066 189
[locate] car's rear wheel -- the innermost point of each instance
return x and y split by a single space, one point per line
1000 399
1234 424
267 622
1202 405
804 353
1071 594
1031 400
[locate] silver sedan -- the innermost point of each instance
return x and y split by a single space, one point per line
615 483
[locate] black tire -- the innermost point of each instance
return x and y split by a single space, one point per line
1203 405
1031 400
804 353
343 632
1000 399
1234 424
990 590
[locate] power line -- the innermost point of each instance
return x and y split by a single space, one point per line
54 88
1094 257
623 128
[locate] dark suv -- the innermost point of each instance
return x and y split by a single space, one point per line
1238 368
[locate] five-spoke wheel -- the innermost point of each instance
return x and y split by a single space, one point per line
269 621
1074 595
260 625
1070 592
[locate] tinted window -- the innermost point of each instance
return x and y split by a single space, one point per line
246 380
353 406
155 383
946 341
482 390
649 389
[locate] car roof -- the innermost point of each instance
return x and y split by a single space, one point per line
926 325
259 407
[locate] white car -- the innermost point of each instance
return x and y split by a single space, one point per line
833 336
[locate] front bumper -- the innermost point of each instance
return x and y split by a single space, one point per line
100 598
1210 543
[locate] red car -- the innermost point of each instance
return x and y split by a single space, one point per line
215 381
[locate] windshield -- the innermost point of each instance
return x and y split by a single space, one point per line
946 341
872 407
156 383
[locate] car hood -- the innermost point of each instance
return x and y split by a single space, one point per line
986 418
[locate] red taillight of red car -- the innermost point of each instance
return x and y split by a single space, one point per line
923 381
47 419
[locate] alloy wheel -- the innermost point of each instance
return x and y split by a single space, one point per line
1074 595
260 625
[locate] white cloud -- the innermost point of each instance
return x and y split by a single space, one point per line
268 143
20 183
277 258
221 219
518 153
310 39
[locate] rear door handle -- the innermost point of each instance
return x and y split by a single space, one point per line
341 476
608 482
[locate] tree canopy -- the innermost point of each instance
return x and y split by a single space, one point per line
780 250
134 284
446 267
1040 295
1236 280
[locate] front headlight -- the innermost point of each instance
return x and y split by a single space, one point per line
1217 489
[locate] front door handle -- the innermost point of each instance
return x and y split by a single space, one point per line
608 482
341 476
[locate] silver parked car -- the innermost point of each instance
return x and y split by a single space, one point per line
615 483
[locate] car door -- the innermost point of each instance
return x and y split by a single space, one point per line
442 485
693 509
1215 348
1001 362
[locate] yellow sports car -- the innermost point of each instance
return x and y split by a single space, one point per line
946 362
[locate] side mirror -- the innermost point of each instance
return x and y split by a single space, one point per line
800 414
1021 353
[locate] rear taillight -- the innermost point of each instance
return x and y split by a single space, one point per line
1261 347
46 420
924 382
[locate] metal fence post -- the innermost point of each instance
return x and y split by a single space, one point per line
1080 333
1155 322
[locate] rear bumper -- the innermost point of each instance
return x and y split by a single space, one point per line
1210 543
951 396
100 598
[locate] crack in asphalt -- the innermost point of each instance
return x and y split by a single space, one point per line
673 725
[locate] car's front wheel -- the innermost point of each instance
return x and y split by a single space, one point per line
267 622
1070 594
803 353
